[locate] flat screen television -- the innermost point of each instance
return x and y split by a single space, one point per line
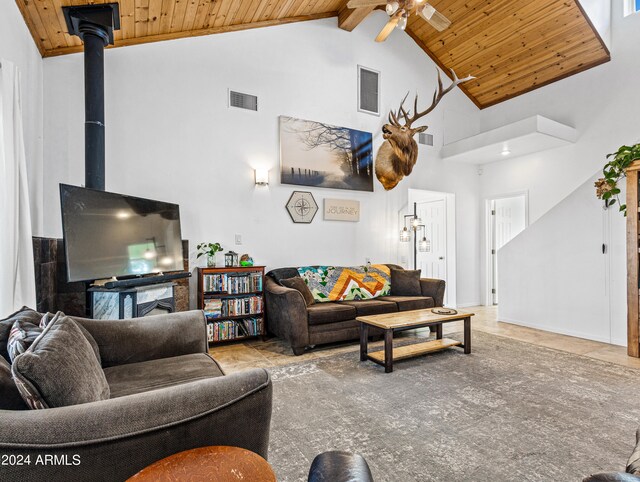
108 234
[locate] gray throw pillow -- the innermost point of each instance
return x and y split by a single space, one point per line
405 282
48 317
297 283
60 368
22 335
24 313
10 398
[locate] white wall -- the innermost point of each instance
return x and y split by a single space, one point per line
599 12
17 46
170 136
554 275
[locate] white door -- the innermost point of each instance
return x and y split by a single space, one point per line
432 263
508 216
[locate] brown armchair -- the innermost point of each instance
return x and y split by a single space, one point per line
167 395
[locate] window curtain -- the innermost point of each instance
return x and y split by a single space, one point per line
17 278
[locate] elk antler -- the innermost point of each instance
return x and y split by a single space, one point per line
437 96
393 117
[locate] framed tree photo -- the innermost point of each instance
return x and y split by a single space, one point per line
323 155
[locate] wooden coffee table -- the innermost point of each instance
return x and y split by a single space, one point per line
215 464
408 320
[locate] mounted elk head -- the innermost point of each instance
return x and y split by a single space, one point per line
399 152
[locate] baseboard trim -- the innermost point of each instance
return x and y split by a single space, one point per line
574 333
619 341
467 305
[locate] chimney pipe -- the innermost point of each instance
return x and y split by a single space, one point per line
94 24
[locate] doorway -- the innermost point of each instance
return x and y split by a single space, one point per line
436 211
506 218
432 261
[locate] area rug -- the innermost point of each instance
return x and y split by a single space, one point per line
509 411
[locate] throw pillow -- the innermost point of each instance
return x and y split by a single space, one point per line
297 283
60 368
405 282
279 274
23 313
46 319
21 337
10 398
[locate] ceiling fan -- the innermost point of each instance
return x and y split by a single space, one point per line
399 11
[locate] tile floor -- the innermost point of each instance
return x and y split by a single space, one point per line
274 352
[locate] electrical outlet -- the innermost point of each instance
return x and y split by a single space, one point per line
403 260
238 238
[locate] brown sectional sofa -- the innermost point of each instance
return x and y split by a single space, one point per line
288 316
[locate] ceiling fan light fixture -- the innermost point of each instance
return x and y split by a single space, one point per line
402 23
392 7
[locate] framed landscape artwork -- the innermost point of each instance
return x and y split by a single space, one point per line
323 155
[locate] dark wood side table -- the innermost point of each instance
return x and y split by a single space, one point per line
215 464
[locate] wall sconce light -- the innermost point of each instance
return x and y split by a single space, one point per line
262 177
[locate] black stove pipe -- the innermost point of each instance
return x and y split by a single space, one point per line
94 145
94 24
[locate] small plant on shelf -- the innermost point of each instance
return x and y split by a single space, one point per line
209 250
614 170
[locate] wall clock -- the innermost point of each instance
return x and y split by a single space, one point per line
302 207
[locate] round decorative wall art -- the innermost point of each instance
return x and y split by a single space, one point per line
302 207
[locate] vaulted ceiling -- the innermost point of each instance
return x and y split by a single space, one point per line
510 46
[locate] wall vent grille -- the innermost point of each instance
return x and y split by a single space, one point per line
368 91
425 139
243 101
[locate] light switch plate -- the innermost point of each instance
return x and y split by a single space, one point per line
238 238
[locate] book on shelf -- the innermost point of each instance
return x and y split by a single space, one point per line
248 305
230 329
232 283
213 308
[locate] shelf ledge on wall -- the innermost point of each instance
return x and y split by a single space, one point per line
527 136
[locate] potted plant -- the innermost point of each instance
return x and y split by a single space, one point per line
210 250
614 170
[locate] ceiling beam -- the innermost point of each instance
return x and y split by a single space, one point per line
350 18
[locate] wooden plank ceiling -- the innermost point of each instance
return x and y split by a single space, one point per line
510 46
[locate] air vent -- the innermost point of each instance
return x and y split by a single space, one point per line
243 101
426 139
368 91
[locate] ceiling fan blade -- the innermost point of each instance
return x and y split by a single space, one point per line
387 29
365 3
434 18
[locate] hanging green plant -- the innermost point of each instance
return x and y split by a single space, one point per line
614 170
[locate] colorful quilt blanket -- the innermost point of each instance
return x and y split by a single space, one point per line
334 283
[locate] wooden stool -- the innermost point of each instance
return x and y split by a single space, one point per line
218 463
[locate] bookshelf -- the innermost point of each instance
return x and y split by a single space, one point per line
233 301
